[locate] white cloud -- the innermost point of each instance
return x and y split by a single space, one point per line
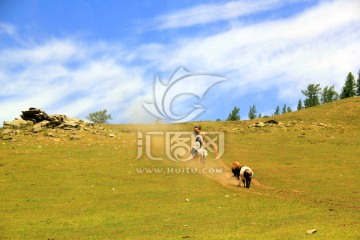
74 77
64 76
319 45
208 13
52 51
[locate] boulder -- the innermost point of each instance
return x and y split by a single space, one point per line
7 132
37 128
7 137
44 123
311 231
17 124
259 124
34 114
70 123
271 121
50 134
56 119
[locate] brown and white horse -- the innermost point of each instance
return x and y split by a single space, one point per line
243 173
246 175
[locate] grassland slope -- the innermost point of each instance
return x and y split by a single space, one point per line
55 186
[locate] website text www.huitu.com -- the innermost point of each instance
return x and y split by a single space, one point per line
184 170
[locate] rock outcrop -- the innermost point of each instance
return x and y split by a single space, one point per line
36 121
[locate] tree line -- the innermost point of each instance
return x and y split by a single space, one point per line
314 97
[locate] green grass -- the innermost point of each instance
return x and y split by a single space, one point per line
89 188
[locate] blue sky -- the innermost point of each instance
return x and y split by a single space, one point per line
77 57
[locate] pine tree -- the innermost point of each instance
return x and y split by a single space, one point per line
289 109
312 94
277 111
300 105
252 112
358 84
349 87
283 109
329 94
234 115
259 116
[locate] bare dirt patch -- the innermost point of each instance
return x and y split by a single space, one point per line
226 179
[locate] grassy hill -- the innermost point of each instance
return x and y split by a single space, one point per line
305 177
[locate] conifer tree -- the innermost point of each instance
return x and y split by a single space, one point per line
300 105
252 112
358 84
312 94
277 111
234 115
349 87
329 94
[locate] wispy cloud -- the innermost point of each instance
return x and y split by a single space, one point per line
208 13
8 29
319 45
65 76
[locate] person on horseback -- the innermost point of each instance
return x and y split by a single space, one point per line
199 142
200 136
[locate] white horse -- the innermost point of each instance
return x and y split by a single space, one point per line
200 152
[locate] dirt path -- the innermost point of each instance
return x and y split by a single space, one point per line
226 177
227 180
